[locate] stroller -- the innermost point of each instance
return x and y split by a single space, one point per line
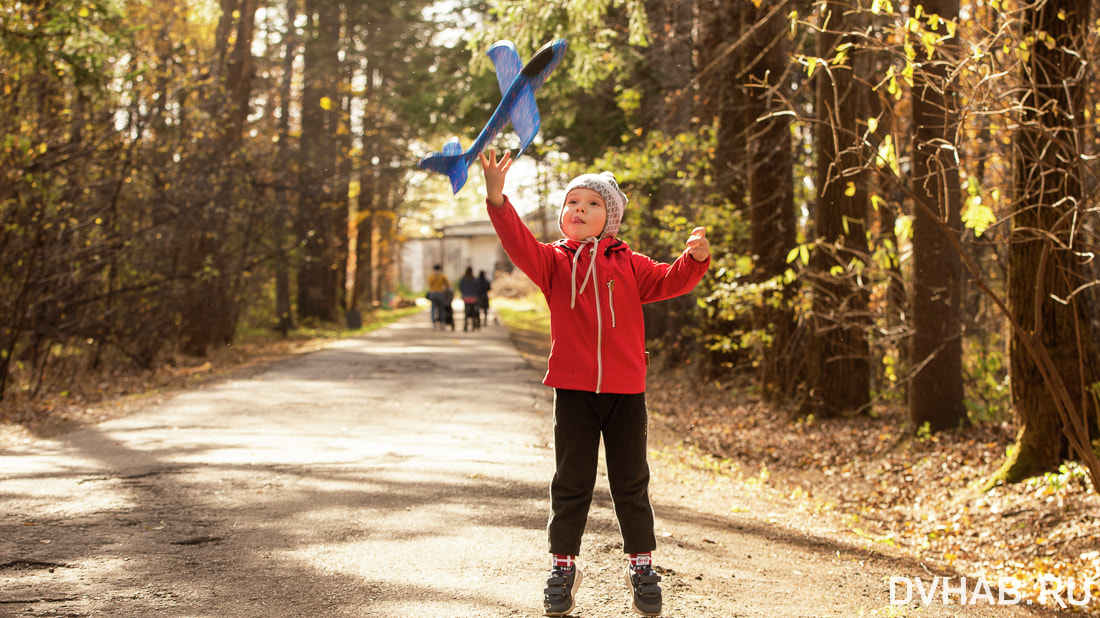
446 316
472 319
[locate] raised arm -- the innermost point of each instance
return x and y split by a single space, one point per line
496 172
534 258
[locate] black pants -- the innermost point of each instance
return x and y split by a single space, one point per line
580 418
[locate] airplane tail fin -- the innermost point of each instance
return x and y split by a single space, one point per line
452 162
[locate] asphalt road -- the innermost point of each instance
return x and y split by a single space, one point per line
400 474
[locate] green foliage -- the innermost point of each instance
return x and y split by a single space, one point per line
1068 475
924 432
526 314
986 379
67 40
445 99
588 103
600 33
733 294
640 165
59 237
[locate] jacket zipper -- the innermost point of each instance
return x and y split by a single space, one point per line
611 299
599 328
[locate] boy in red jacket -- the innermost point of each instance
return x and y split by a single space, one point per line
595 286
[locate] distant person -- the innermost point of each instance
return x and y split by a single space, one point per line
469 289
595 287
439 288
483 287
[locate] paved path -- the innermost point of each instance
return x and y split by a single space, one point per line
400 474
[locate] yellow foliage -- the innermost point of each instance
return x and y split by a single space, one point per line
977 216
888 156
882 7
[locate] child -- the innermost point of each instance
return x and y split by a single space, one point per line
595 286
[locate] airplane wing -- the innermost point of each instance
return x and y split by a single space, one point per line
506 61
524 112
525 117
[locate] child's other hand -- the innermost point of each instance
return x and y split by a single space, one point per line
697 244
495 173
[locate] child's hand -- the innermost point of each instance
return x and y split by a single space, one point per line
495 173
697 244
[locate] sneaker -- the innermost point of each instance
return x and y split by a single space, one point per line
560 588
647 594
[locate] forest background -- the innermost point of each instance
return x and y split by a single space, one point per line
900 199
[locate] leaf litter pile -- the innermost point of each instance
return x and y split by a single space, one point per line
901 494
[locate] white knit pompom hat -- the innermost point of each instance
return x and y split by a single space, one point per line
614 199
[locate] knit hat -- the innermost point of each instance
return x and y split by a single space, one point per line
614 199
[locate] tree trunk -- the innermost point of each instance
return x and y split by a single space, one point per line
284 310
392 189
240 71
211 305
936 392
364 250
1044 267
723 101
772 216
318 274
839 373
669 108
195 324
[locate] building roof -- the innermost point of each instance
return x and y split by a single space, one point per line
469 228
483 227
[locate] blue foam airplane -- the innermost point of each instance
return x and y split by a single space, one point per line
518 86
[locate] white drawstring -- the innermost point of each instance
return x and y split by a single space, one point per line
591 269
591 274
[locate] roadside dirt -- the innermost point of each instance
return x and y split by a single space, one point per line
400 474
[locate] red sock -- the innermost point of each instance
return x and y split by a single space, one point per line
640 561
564 561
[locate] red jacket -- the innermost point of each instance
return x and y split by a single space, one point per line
597 337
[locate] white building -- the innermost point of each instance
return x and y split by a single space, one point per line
472 244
